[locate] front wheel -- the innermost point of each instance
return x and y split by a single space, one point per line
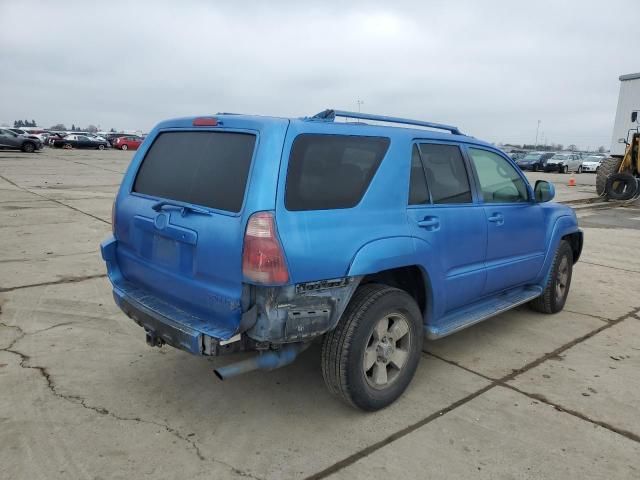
28 147
124 147
556 290
100 147
369 359
565 169
535 168
580 169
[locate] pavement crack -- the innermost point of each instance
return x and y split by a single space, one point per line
502 382
82 402
54 200
54 282
78 400
536 396
609 266
597 317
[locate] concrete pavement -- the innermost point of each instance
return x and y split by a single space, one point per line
522 395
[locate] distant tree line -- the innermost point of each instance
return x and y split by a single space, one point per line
24 123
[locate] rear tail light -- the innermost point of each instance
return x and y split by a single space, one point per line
262 256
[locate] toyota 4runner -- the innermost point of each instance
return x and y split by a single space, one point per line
245 233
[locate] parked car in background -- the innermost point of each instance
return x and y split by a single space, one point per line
268 233
53 136
592 163
14 141
534 161
79 141
111 137
564 163
130 142
25 133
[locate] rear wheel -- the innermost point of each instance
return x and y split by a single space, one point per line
124 147
369 359
28 147
556 290
565 169
100 147
580 169
535 167
608 167
67 146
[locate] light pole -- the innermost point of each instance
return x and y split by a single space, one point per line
360 103
537 130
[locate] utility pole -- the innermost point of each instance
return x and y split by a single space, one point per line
537 130
360 103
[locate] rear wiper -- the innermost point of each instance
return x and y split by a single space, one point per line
184 209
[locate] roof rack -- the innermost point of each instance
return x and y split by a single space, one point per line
330 115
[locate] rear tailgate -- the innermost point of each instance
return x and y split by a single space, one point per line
180 218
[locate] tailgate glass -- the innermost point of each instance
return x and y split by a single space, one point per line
202 168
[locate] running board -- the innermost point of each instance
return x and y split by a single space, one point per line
467 316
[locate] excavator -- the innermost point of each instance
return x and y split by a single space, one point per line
618 177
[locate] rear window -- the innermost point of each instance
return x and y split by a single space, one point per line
331 171
203 168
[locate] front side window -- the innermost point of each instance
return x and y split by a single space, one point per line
499 180
446 173
331 171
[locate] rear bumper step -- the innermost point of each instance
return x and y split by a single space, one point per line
161 330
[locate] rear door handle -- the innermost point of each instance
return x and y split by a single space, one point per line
430 223
496 218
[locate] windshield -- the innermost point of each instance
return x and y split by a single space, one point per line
593 159
532 156
560 156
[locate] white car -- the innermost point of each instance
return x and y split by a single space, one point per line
564 163
592 163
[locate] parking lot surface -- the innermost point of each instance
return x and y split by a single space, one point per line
523 395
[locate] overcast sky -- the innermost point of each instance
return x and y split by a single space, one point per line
491 67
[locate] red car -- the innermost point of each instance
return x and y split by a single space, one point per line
131 142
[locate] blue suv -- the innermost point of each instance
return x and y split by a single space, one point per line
244 233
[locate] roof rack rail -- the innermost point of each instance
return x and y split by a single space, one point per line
330 115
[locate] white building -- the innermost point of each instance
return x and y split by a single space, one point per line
628 101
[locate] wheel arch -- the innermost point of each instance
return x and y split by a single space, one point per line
392 261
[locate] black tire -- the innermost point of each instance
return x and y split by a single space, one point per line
580 169
565 169
124 147
28 147
344 348
621 186
555 295
609 166
535 167
100 147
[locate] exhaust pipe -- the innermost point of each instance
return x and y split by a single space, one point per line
269 360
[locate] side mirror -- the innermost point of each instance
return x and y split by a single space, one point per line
634 116
544 191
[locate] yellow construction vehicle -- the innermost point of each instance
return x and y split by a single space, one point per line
618 177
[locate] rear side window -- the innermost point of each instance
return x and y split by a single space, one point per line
418 193
203 168
446 173
331 171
